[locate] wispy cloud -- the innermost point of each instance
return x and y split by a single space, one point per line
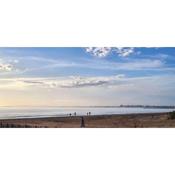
39 65
79 81
60 82
141 64
134 64
76 82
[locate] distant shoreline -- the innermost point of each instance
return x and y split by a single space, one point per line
146 120
78 115
120 106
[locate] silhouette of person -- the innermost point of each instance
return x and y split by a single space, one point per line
82 125
75 113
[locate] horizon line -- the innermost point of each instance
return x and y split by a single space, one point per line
122 105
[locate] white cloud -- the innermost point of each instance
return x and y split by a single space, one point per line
5 67
8 64
104 51
124 52
99 51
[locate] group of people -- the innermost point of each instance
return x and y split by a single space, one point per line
88 113
74 114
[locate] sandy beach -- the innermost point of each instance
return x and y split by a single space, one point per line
151 120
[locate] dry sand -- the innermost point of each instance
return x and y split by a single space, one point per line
156 120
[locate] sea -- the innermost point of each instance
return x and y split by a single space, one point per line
36 112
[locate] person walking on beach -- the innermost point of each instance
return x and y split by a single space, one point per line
75 113
82 125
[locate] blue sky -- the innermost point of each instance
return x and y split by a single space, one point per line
87 76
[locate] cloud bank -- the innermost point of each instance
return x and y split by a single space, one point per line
102 90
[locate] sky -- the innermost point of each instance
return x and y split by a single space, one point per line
91 76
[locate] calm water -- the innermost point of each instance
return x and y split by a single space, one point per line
24 112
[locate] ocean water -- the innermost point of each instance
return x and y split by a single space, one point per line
32 112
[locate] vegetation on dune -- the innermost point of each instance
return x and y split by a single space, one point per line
172 115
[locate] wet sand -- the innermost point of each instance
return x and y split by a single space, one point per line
156 120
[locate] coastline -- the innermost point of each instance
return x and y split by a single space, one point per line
141 120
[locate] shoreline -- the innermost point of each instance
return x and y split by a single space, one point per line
139 120
73 116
